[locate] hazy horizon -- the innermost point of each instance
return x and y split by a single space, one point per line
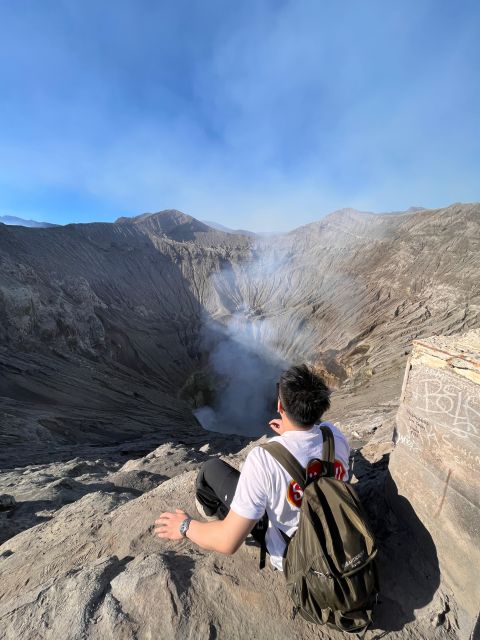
3 217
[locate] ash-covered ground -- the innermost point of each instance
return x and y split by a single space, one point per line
115 336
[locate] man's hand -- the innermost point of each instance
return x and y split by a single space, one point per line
168 525
224 536
276 425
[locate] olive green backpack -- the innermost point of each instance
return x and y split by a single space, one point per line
329 562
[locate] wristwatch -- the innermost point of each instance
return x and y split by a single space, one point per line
184 526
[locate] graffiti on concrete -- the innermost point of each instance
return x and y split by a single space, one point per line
440 416
449 402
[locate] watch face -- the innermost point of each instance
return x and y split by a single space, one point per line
184 526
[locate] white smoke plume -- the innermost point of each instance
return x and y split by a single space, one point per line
246 370
257 329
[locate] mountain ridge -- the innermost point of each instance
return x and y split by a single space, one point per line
14 220
131 298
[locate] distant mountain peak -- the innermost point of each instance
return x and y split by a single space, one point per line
21 222
351 211
166 215
166 222
220 227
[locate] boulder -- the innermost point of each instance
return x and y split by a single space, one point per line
7 501
436 461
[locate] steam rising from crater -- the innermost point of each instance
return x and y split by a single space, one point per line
254 334
246 371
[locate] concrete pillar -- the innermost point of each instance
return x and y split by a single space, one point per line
436 460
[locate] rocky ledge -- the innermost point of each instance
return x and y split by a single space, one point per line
90 567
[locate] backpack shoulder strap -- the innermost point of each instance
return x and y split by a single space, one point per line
287 460
292 465
328 451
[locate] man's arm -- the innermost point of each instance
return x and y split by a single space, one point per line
224 536
248 506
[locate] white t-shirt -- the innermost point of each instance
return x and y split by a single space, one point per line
264 485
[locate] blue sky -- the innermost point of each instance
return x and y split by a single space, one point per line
261 114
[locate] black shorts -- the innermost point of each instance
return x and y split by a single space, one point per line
215 488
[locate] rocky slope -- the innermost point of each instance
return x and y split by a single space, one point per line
113 337
93 569
103 325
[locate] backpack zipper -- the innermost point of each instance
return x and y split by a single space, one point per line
322 575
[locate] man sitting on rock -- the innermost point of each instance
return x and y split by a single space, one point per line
236 503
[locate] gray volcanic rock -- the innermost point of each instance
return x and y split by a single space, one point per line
112 336
438 444
6 501
38 491
98 328
178 226
103 327
95 570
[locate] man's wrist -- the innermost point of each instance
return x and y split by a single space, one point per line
184 525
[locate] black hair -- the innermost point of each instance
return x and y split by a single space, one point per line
304 395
